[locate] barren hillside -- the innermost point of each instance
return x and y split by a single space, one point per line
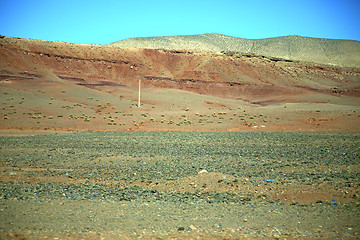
64 82
343 53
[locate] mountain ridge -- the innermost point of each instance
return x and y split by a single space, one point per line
342 53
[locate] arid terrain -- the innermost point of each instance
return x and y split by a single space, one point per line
225 144
341 53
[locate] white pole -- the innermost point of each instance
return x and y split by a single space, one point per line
139 90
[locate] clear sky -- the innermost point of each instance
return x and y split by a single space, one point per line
106 21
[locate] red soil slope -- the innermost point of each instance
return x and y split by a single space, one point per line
47 78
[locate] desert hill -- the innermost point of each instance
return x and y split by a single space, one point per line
343 53
56 85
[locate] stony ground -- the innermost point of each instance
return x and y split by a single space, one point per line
168 185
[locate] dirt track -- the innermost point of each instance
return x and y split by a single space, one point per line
144 184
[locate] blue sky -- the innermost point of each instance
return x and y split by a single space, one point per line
106 21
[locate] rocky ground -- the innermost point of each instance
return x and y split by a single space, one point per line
173 185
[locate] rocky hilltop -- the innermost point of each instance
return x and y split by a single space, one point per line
343 53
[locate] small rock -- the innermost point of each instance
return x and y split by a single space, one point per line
245 220
218 226
12 174
276 236
202 171
193 184
192 227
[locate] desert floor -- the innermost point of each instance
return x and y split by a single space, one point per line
180 185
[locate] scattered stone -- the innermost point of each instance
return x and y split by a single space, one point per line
192 227
276 236
218 226
203 171
214 205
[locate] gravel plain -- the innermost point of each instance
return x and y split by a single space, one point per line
116 185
